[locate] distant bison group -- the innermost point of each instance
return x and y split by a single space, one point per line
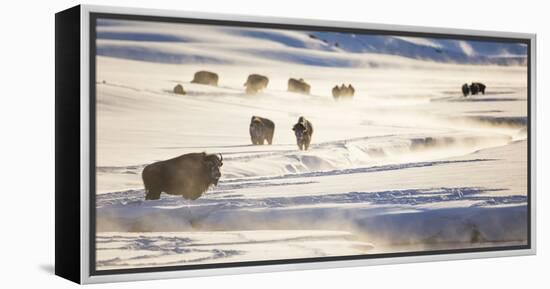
343 91
474 88
256 83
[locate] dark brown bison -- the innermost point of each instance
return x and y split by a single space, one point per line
261 129
465 89
205 77
298 85
188 175
178 89
303 131
477 87
343 91
255 83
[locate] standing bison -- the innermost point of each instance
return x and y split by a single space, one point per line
205 77
188 175
465 89
255 83
261 129
298 85
477 87
178 89
343 91
303 131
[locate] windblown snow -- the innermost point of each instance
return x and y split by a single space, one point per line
408 164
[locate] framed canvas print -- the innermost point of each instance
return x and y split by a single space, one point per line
192 144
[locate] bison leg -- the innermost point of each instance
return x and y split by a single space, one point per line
152 195
306 144
261 141
270 139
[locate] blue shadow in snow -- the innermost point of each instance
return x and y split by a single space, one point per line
151 55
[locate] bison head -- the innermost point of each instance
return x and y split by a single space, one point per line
256 127
213 164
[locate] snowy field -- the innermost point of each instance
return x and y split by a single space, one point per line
408 164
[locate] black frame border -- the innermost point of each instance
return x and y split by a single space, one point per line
269 25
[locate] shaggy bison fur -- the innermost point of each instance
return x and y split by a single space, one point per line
188 175
261 129
477 87
205 77
255 83
298 85
303 131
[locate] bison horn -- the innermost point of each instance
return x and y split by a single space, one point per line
221 157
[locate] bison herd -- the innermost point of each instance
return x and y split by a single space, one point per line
343 91
190 175
256 83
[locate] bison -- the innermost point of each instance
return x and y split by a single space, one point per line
255 83
188 175
298 85
477 87
261 129
303 131
343 91
205 77
465 89
178 89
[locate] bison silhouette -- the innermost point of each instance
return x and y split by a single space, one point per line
178 89
261 129
343 91
465 89
255 82
298 85
205 77
303 131
474 88
188 175
477 87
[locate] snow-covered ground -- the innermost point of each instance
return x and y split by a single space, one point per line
407 164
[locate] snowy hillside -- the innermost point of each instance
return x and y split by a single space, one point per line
408 164
339 44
